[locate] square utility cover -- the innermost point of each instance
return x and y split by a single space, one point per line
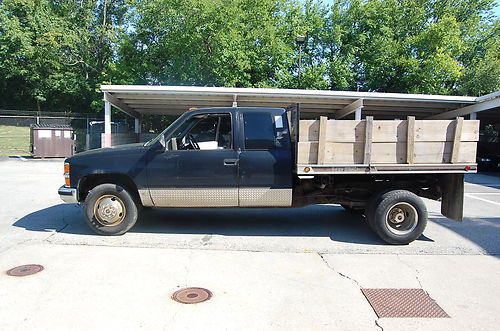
406 302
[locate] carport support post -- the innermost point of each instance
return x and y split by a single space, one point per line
357 114
107 125
137 127
473 116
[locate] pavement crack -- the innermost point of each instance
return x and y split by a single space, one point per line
57 231
20 243
352 280
417 273
186 268
337 272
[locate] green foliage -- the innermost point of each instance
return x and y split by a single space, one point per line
240 43
54 54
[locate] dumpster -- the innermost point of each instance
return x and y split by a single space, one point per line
49 140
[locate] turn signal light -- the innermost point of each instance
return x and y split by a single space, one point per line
66 175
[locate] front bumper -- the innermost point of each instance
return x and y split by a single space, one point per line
67 194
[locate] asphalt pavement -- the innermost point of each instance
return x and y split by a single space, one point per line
267 268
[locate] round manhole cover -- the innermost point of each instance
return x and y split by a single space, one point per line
25 270
192 295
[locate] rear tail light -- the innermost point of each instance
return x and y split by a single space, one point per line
66 175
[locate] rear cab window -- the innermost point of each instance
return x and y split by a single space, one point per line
265 131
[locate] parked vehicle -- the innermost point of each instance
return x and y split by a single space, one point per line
266 157
488 151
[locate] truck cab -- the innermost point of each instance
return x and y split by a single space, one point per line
217 157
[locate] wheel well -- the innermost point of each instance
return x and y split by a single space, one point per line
87 183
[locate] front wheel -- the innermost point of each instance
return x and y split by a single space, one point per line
110 209
399 217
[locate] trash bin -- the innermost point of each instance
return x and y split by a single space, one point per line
49 140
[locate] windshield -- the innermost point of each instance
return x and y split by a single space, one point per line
161 136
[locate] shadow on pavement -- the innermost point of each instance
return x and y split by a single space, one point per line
483 231
312 221
489 179
328 221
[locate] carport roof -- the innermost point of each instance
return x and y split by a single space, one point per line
137 100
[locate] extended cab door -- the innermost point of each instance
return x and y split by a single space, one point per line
203 171
265 161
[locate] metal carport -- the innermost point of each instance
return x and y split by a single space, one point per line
136 100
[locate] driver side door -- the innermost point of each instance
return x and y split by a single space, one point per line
203 172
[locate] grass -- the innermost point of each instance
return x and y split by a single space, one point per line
14 140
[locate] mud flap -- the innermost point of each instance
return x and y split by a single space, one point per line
452 202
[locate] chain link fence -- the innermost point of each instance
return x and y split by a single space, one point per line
15 128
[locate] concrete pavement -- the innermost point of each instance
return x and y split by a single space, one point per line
268 269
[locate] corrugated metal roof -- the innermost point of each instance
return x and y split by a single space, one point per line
143 99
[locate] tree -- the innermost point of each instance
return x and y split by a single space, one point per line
240 43
417 46
55 54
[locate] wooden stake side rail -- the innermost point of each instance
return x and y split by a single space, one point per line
373 146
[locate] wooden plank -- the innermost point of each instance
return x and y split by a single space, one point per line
323 121
307 153
308 130
368 139
389 153
342 132
344 153
410 140
338 131
444 130
456 139
385 153
389 131
440 152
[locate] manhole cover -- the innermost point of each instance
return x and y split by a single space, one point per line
25 270
192 295
407 302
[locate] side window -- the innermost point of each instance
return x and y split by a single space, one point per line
210 132
205 130
259 131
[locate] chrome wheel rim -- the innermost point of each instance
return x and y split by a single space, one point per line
401 218
109 210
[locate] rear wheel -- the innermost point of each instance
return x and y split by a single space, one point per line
110 209
398 216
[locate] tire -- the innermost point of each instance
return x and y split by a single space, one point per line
398 217
371 205
352 210
110 209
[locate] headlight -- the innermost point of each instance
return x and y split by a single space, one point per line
66 175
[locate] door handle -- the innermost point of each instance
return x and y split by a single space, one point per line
230 162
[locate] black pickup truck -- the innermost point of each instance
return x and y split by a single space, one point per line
245 157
